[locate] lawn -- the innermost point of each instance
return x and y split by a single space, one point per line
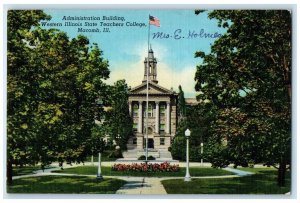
65 185
263 182
24 170
104 157
257 170
106 171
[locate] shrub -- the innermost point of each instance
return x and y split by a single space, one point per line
144 158
151 158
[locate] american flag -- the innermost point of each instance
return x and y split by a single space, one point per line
154 21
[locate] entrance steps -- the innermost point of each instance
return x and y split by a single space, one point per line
165 155
130 154
134 154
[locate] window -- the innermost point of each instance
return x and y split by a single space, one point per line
162 127
162 141
135 126
134 141
150 111
162 110
135 110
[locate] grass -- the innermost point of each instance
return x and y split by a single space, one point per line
194 171
24 170
257 170
262 182
65 185
104 156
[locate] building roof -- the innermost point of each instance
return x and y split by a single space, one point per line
153 89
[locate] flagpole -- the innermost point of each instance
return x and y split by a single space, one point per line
147 92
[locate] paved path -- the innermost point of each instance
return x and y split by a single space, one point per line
142 186
238 172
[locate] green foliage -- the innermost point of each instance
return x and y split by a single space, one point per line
118 119
247 79
96 142
181 104
53 83
198 120
216 154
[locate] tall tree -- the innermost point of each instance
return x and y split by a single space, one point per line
196 118
20 96
53 85
181 104
247 76
120 122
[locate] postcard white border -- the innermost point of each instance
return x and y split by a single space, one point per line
136 5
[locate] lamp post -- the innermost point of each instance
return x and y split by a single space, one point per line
201 153
99 103
187 174
99 175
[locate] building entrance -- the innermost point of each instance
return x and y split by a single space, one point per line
150 143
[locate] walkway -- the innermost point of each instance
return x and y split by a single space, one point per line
238 172
142 186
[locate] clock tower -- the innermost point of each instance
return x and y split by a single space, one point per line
152 71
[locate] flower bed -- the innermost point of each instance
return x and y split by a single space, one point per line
163 167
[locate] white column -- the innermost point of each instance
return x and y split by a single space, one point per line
168 118
130 108
157 118
140 117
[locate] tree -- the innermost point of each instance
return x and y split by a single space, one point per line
247 77
118 118
53 85
19 75
197 119
181 104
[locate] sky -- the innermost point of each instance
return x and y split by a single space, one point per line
125 47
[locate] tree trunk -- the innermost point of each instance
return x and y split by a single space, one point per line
281 174
9 172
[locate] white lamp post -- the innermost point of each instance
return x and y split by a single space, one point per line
99 102
187 174
201 153
99 175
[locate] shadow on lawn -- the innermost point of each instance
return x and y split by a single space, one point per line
263 183
65 185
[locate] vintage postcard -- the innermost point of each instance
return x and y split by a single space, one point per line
149 101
